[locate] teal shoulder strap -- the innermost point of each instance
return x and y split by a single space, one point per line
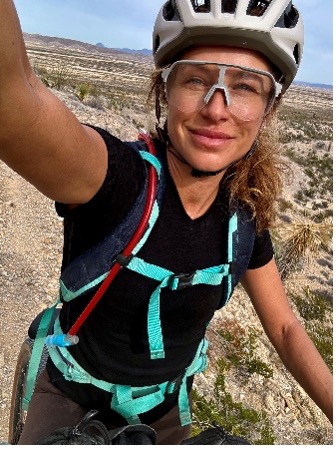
241 238
36 354
90 269
69 294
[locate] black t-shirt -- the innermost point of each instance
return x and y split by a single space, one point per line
113 341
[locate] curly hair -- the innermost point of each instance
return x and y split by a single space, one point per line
254 181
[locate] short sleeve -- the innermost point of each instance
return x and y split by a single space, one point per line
125 168
262 251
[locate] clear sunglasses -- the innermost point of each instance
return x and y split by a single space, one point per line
249 93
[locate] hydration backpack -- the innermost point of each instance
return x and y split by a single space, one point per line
91 269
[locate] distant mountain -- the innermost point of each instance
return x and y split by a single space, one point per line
71 43
313 85
144 51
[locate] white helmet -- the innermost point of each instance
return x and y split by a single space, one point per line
272 27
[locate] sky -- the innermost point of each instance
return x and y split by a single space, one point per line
129 24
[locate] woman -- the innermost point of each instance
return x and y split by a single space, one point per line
223 67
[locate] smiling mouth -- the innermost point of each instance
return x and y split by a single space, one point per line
211 138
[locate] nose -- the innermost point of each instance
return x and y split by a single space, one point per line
216 107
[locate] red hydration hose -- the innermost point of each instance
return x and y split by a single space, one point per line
151 195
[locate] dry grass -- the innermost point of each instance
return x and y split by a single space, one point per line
301 240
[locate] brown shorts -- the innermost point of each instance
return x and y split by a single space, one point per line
50 410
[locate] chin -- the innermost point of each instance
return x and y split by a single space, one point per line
212 166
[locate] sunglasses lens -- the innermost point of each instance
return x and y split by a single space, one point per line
247 94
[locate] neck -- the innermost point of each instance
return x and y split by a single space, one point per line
196 194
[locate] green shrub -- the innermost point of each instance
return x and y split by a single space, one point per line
234 417
55 76
239 346
319 170
118 101
255 365
311 306
284 205
323 216
60 75
83 90
299 196
304 124
322 338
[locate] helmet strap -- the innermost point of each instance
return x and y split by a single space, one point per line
195 173
252 150
162 133
205 174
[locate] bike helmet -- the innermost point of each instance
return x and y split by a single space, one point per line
272 27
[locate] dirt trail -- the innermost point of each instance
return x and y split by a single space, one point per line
29 262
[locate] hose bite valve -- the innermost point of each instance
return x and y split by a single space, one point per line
62 340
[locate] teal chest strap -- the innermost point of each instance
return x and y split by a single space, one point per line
208 276
130 401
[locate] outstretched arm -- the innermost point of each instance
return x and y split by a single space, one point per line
289 338
39 137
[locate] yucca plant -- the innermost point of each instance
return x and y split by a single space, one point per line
41 71
84 89
300 241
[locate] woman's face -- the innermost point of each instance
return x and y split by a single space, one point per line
211 137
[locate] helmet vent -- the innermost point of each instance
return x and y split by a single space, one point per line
258 7
296 54
229 6
290 17
157 43
201 5
170 12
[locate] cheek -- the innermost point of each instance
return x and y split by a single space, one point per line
175 119
250 131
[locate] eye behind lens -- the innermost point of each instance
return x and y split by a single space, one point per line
247 93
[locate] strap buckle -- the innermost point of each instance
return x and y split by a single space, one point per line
181 281
123 260
174 385
233 267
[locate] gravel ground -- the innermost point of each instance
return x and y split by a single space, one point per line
30 255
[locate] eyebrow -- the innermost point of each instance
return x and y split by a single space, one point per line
201 70
201 67
258 77
244 72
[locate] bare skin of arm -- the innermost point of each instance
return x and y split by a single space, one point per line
289 338
39 137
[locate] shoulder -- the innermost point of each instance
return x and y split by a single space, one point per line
113 144
125 177
262 250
